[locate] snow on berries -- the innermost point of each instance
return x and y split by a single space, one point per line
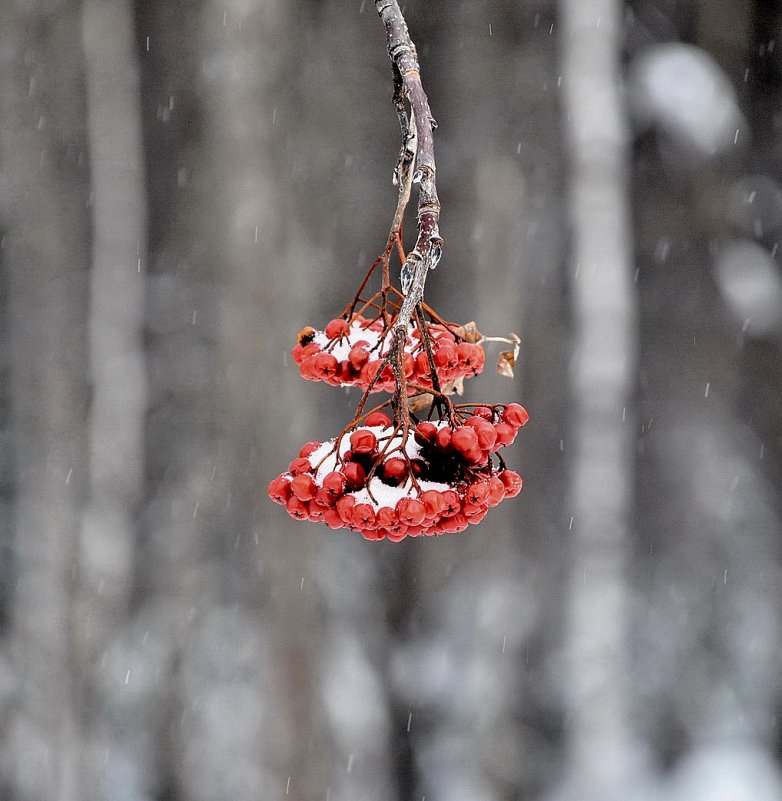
378 482
352 354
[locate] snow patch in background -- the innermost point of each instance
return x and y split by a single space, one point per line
750 284
726 772
683 92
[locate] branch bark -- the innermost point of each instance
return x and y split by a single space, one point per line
407 84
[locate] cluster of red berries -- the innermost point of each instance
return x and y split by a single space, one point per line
385 487
352 354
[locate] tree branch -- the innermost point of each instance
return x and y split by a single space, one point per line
407 86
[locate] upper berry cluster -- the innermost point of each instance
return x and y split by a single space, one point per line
352 353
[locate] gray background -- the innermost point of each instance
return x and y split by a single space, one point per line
183 186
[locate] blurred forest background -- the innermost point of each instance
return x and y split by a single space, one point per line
183 186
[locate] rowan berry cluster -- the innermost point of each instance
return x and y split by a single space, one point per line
351 352
375 481
391 477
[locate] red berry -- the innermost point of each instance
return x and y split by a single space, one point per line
422 364
280 490
408 365
505 435
308 370
325 365
334 484
387 376
310 351
513 483
358 356
496 491
296 352
363 516
446 357
304 487
378 419
475 456
308 448
485 412
395 470
316 512
355 475
332 519
386 517
471 510
363 441
297 508
396 536
468 355
325 498
460 521
299 466
337 328
410 511
487 436
515 415
347 373
443 439
418 467
448 525
373 535
434 503
425 433
477 493
464 439
370 370
344 506
452 503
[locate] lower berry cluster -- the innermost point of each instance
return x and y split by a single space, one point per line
352 354
378 481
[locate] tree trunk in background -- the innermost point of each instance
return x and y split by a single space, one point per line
708 516
604 760
42 152
262 262
112 766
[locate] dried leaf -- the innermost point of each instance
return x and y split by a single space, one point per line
508 358
426 399
455 387
505 364
468 332
418 402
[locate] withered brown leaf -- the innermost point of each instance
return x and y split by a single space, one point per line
507 359
426 399
468 332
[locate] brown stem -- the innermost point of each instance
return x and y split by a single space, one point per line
419 311
407 86
404 58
